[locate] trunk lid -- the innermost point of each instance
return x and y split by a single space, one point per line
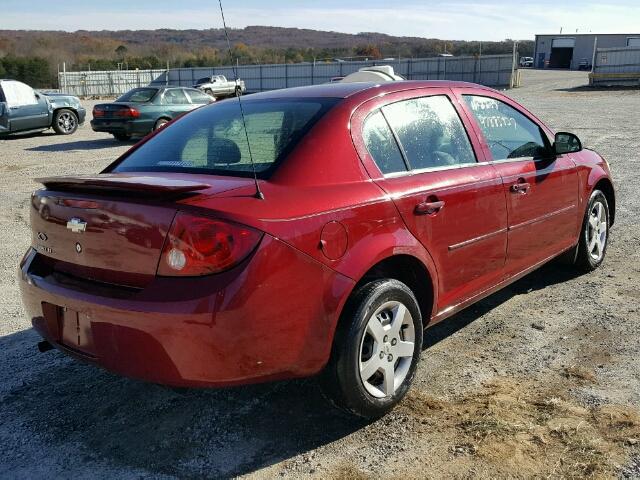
111 228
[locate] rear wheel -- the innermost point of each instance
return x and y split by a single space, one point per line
238 91
160 123
594 236
65 122
376 349
123 137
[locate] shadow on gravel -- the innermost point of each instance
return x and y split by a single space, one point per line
548 275
588 88
129 425
81 145
19 136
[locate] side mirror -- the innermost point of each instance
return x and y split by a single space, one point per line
566 143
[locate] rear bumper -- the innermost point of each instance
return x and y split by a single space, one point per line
128 127
272 317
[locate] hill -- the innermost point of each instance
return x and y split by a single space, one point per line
35 55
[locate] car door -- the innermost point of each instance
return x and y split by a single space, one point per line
449 199
27 110
177 102
541 188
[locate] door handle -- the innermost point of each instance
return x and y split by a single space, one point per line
521 187
428 208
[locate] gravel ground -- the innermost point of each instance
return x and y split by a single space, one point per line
541 379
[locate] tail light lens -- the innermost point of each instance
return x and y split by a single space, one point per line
200 246
127 113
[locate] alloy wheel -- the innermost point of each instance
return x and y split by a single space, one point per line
597 231
386 349
66 122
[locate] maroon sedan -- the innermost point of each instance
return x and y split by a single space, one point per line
377 210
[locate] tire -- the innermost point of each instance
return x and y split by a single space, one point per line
65 122
238 91
123 137
160 123
364 340
594 235
208 91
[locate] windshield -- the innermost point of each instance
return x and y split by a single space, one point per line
138 95
213 140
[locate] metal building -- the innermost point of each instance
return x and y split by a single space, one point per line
568 50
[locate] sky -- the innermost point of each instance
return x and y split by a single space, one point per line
446 19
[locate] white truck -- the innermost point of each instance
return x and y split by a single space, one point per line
218 86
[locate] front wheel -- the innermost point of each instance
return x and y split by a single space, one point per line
594 235
376 349
160 123
65 122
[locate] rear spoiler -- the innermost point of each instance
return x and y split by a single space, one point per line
118 182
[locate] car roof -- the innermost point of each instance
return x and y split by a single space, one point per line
345 90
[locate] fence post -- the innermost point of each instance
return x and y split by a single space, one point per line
286 75
410 69
110 77
475 70
512 80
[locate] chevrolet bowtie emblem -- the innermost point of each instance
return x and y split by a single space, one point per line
76 225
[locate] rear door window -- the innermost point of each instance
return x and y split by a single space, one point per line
509 133
175 96
198 97
430 132
381 145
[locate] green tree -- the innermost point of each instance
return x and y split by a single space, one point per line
121 52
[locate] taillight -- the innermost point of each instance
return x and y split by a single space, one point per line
127 112
98 113
200 246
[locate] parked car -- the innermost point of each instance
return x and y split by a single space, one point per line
218 86
584 64
377 210
143 110
526 62
23 109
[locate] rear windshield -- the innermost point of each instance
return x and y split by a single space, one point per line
213 139
138 95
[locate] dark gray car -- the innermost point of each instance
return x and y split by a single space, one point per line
23 109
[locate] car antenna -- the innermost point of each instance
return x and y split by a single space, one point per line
258 194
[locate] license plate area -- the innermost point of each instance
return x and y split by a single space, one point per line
70 328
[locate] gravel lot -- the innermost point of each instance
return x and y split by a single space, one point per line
541 379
